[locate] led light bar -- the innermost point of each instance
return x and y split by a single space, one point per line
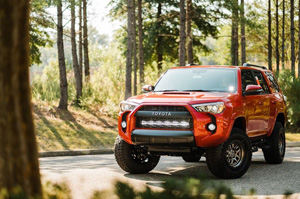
166 123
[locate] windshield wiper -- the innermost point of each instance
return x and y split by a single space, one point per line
199 90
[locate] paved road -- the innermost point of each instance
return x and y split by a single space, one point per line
84 174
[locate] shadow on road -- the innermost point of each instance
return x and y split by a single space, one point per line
266 179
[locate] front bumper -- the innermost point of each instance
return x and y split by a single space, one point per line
163 137
199 136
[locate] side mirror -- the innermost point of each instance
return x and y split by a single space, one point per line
147 88
253 90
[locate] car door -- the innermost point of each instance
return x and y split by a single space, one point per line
257 107
276 97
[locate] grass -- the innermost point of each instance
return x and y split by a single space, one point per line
73 129
292 137
81 129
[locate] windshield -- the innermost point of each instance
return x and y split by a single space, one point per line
198 79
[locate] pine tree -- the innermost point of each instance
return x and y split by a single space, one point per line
182 34
63 102
283 35
243 36
269 36
128 89
141 47
189 35
292 38
277 38
19 166
85 42
78 80
135 61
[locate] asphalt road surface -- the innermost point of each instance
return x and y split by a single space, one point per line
85 174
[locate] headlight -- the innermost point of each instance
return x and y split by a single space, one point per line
127 106
215 108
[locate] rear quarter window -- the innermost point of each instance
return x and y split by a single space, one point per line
274 85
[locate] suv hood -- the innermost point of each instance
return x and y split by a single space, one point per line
180 97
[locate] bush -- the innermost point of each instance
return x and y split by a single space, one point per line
291 89
177 188
45 87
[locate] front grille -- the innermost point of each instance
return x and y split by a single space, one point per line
164 117
163 108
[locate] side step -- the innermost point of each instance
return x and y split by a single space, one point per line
262 143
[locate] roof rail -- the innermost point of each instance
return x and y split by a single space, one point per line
192 64
247 64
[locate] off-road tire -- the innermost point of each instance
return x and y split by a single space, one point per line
275 153
126 158
219 158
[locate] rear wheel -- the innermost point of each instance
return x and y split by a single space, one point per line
232 158
275 153
134 159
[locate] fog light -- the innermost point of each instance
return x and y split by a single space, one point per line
211 127
124 124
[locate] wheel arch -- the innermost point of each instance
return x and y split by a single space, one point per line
240 123
281 118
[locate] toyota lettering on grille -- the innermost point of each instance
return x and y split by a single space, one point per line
161 113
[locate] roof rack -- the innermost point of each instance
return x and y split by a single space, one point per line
247 64
192 64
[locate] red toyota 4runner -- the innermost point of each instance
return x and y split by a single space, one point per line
221 112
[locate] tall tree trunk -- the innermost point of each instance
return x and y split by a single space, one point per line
292 39
135 61
234 34
63 102
269 36
299 39
189 35
243 36
129 49
182 34
141 47
80 38
277 38
19 166
159 51
283 37
78 80
86 43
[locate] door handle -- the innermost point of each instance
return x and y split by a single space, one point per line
260 103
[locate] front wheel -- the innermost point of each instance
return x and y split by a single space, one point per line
275 153
232 158
134 159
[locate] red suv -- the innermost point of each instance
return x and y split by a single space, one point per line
221 112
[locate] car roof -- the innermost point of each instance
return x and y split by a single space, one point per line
223 66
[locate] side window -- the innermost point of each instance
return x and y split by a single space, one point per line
274 83
247 79
262 81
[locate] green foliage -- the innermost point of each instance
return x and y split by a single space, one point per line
291 89
16 193
106 84
39 36
45 87
124 191
177 188
56 191
165 29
